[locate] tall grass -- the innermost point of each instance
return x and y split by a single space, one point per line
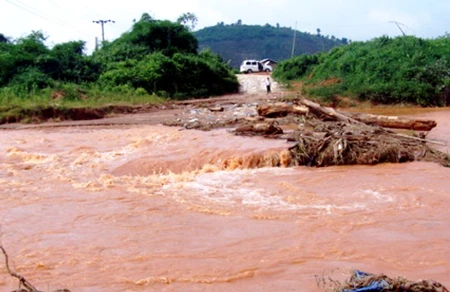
73 95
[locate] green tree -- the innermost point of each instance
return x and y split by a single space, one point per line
8 58
161 57
148 36
155 56
32 45
17 57
146 18
188 19
3 38
67 62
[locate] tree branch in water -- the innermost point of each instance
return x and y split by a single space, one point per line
22 281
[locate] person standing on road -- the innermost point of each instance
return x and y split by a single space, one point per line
268 83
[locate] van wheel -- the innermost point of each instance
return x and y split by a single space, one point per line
249 71
267 70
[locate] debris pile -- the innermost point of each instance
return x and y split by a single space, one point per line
338 143
364 282
322 135
326 137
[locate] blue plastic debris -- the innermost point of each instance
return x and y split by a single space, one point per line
374 286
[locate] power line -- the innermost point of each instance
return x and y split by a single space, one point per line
90 12
30 9
36 11
102 22
71 11
54 3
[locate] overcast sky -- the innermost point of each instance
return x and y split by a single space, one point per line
66 20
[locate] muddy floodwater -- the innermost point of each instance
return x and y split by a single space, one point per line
154 208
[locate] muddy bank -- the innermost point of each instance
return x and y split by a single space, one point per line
50 113
251 85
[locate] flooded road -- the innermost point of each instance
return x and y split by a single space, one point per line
152 208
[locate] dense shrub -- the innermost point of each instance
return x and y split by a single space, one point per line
183 75
296 67
30 79
389 70
154 57
154 72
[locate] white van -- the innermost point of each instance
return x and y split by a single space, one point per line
250 66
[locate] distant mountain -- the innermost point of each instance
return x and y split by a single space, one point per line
237 42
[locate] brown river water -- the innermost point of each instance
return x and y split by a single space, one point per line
153 208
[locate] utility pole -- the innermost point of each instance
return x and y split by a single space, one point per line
293 41
102 22
398 25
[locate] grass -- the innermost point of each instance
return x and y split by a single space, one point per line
21 105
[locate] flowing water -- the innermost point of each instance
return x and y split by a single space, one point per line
152 208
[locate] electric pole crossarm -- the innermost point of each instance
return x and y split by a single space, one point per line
102 23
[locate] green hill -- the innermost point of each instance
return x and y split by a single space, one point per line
237 42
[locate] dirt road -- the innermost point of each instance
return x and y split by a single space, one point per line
255 83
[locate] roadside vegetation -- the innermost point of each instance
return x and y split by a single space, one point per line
401 70
153 61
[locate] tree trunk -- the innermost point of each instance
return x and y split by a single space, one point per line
394 122
327 113
259 129
280 109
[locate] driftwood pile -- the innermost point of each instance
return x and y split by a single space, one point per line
326 137
394 285
361 281
365 282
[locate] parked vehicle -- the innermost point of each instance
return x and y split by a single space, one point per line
250 66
